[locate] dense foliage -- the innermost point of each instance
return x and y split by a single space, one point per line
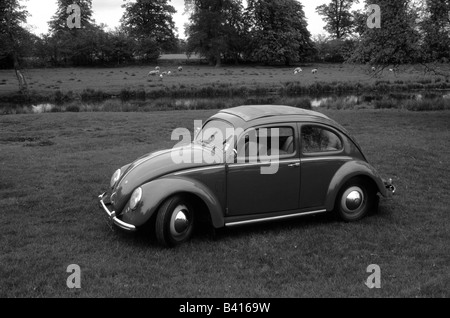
216 29
149 23
232 31
279 31
338 17
396 42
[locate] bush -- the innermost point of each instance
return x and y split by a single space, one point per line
427 104
304 103
73 109
386 103
93 95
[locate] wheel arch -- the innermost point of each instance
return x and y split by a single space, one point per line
156 192
351 170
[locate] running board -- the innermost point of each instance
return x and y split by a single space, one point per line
273 218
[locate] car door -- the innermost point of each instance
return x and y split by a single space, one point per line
265 176
322 154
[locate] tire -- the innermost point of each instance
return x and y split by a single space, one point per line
355 200
174 221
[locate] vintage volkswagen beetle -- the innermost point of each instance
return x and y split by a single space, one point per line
278 162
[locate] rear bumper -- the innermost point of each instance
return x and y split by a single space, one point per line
112 215
390 188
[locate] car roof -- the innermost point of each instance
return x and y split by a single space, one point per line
252 112
246 116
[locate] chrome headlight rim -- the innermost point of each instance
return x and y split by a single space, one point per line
136 198
115 177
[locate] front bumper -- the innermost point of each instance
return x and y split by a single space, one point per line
112 215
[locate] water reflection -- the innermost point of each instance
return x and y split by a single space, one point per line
42 108
364 100
352 100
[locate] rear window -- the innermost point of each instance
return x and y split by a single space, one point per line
318 139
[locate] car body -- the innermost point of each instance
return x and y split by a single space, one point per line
258 163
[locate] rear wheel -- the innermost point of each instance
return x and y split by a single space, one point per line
355 200
174 221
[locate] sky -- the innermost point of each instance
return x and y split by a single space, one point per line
110 12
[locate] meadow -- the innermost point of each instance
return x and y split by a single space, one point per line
53 166
85 84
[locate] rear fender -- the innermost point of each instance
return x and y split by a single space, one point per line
348 171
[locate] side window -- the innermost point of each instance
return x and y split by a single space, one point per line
267 141
318 139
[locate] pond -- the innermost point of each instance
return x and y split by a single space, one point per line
418 100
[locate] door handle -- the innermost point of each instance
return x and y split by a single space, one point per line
294 165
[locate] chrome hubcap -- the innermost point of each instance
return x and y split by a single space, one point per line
179 222
352 200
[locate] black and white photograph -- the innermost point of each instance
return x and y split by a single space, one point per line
224 156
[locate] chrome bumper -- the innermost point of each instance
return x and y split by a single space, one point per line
112 216
390 188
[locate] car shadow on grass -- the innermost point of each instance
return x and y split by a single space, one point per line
145 237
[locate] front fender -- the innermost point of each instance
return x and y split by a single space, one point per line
156 192
350 170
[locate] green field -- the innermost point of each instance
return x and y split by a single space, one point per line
53 166
113 80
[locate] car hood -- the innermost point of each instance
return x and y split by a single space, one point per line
157 164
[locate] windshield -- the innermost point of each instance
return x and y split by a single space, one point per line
216 134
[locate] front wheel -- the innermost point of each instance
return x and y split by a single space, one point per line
174 222
354 201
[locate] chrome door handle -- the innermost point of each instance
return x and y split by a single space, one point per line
294 165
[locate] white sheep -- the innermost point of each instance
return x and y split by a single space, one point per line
373 69
153 73
163 74
314 71
298 70
180 68
393 70
157 68
169 73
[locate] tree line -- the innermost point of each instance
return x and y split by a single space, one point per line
224 31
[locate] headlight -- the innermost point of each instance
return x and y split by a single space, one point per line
135 198
115 178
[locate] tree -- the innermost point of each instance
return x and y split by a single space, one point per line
216 29
72 45
11 32
332 50
123 46
150 23
59 20
279 31
396 42
338 18
359 23
436 30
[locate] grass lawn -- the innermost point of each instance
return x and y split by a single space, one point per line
52 167
113 80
